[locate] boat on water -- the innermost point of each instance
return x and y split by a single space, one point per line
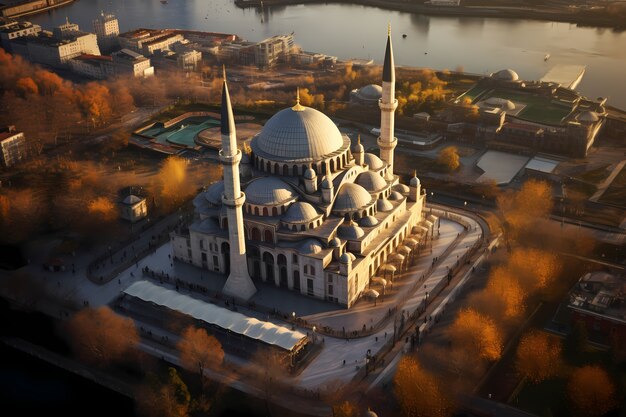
163 1
404 35
545 58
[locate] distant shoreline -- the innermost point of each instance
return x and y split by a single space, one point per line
562 14
31 11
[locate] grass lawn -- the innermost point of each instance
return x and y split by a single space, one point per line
538 109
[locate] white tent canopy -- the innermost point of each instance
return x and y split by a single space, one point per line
250 327
380 280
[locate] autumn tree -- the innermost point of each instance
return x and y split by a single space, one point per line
20 214
535 268
538 356
313 100
477 334
449 158
101 336
345 409
174 182
418 392
102 210
504 286
591 392
199 351
522 209
167 398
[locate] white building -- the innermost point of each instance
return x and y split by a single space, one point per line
310 212
107 29
13 29
133 208
129 62
12 146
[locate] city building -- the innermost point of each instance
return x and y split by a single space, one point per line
531 116
133 208
107 29
126 61
11 29
119 63
25 7
149 41
13 146
311 212
598 300
263 54
58 48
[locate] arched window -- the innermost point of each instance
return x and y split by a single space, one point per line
312 269
256 211
364 213
268 258
268 236
310 225
332 165
225 223
265 211
274 211
294 170
294 228
338 162
256 234
268 166
285 170
276 168
282 259
302 228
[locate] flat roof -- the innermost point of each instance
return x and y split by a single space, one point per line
501 167
264 331
542 164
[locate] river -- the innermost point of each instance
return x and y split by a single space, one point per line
478 45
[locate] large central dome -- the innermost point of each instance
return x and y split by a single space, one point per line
298 134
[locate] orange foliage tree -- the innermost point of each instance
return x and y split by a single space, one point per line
345 409
591 392
449 158
174 182
521 209
538 356
101 336
199 350
504 286
477 334
20 214
535 268
418 392
102 209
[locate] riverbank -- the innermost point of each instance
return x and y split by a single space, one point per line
554 14
27 8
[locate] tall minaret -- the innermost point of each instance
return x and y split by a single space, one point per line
388 104
238 283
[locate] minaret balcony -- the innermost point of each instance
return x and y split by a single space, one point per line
383 144
235 202
387 106
230 159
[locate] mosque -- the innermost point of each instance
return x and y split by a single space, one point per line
306 209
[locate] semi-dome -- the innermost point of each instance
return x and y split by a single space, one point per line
269 191
373 161
588 116
506 75
310 246
350 231
395 196
309 174
345 258
401 188
215 192
371 92
384 205
371 181
199 202
368 221
334 242
298 133
300 212
502 103
351 197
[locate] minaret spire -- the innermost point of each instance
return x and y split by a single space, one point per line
388 104
298 106
238 284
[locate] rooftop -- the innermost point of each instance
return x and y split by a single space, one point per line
600 293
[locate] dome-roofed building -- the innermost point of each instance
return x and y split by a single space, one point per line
315 214
501 103
367 95
506 75
588 116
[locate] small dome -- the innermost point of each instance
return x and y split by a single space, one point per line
357 148
334 242
384 205
502 103
371 92
350 231
298 134
351 197
588 117
309 174
215 192
415 182
368 221
506 75
371 181
310 246
199 202
373 161
370 413
345 258
401 188
269 191
395 196
300 212
327 183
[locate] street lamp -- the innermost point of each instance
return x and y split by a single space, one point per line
314 334
293 324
